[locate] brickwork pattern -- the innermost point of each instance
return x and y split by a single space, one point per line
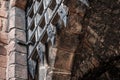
3 38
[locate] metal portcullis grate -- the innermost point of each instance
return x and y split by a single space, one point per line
42 18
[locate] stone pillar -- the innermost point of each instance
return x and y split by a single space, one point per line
17 54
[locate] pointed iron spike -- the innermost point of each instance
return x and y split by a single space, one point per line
41 52
32 67
65 21
63 12
53 41
53 36
51 31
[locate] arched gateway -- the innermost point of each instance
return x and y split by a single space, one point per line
59 40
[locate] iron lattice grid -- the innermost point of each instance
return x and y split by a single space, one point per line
42 16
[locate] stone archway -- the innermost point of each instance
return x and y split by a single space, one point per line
68 41
98 54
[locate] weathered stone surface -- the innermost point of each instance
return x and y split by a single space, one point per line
4 4
3 51
57 76
49 76
64 60
13 46
3 37
95 62
67 42
18 34
18 3
2 73
3 14
17 79
3 24
17 18
18 58
3 61
52 56
76 29
99 41
43 72
17 71
102 17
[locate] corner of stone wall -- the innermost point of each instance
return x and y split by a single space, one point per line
16 53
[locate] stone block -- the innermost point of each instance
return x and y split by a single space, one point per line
68 42
17 18
13 46
2 73
57 76
42 72
3 24
18 58
84 67
64 60
3 50
18 34
95 62
17 79
18 3
76 29
4 4
52 56
17 71
92 40
3 13
3 37
3 61
91 66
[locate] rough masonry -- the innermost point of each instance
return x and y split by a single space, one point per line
87 46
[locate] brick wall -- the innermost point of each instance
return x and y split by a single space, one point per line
3 38
13 57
